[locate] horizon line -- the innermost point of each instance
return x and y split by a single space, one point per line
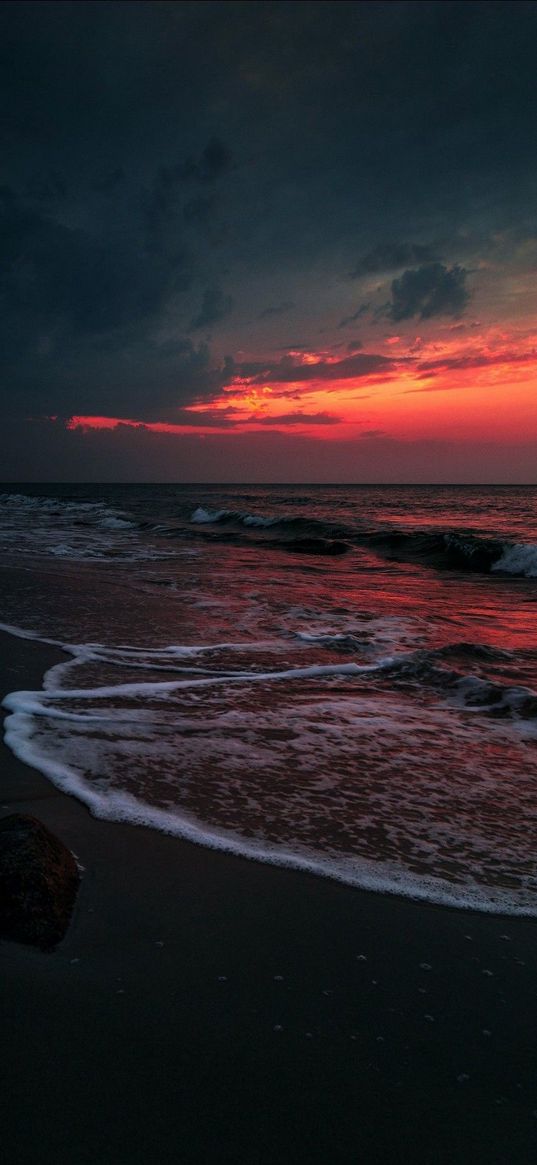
288 484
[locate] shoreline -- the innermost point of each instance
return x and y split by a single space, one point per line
204 1007
371 876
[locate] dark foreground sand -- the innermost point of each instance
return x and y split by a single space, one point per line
208 1009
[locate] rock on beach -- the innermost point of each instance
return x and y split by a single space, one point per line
38 883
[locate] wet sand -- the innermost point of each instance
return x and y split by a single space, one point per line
204 1008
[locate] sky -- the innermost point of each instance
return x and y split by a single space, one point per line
257 241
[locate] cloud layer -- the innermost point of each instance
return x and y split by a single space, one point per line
190 188
429 291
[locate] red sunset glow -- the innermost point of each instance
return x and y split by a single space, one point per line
484 388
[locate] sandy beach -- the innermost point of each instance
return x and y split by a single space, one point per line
203 1008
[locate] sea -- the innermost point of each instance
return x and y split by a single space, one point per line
338 679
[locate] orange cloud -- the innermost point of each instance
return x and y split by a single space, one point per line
452 386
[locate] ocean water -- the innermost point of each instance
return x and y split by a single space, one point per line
339 679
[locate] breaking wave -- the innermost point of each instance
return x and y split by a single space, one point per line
442 549
455 550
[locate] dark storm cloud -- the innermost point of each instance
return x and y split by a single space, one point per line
77 317
354 346
46 187
429 291
215 159
198 209
110 181
171 207
286 371
215 305
81 304
206 418
59 274
390 256
357 315
428 370
277 309
299 419
162 159
172 182
299 346
106 375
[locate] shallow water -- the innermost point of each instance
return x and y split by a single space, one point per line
368 712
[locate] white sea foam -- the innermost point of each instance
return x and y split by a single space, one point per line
519 702
202 516
111 522
119 805
72 530
519 559
123 807
314 750
165 687
66 550
328 639
388 634
36 636
257 520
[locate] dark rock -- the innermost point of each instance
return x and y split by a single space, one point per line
38 883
